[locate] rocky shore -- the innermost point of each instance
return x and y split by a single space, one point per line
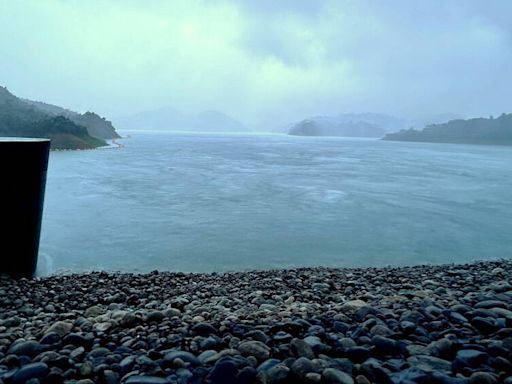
424 324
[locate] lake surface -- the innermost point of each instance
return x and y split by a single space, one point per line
231 202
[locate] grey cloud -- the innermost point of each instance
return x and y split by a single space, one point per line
411 57
262 61
271 8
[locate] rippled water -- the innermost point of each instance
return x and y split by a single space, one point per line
217 202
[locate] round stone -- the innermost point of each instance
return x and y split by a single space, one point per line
254 348
483 378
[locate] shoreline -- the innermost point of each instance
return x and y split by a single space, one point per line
67 272
115 144
420 324
111 143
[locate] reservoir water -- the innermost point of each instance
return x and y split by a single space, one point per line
202 203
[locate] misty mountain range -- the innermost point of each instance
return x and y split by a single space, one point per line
169 119
72 130
349 125
96 126
345 124
362 124
66 129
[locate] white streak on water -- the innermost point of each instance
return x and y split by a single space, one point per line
48 263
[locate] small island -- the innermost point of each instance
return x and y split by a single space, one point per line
67 129
491 131
369 125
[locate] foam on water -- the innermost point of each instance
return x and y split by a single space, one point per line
45 265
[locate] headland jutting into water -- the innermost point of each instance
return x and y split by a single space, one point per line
422 324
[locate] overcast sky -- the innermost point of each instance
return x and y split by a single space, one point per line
263 61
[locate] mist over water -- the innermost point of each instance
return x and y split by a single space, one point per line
202 203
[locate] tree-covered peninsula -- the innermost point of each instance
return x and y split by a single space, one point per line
66 129
495 131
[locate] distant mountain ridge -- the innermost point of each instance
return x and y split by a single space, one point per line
169 119
97 126
349 125
496 131
24 118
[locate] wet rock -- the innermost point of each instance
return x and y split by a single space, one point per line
93 311
487 304
130 320
485 325
340 326
352 306
103 327
172 312
146 380
429 363
183 355
268 364
277 374
469 358
500 286
210 343
301 349
457 317
204 329
29 348
78 340
86 369
321 287
502 312
425 324
346 342
50 338
417 349
30 371
99 352
483 378
246 375
254 348
357 354
408 326
301 366
155 317
381 330
335 376
312 377
77 353
109 377
384 346
259 335
361 379
223 372
268 307
62 328
85 381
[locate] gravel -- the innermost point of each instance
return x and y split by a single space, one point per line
424 324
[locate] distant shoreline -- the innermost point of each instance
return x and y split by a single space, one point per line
486 143
111 144
119 145
479 131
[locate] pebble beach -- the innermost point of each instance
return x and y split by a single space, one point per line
421 324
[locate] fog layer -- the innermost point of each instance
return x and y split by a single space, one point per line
261 62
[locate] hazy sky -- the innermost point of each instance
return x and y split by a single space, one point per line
263 62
